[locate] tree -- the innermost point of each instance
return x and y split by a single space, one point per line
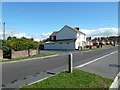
32 39
9 38
0 44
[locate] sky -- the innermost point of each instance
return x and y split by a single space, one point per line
61 0
40 19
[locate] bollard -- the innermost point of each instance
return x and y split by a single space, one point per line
70 66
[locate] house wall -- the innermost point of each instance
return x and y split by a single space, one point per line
81 38
66 33
60 46
1 55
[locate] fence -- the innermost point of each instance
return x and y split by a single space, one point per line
23 53
1 55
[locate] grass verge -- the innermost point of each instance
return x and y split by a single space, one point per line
77 79
27 58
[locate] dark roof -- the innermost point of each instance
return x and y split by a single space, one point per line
74 29
54 33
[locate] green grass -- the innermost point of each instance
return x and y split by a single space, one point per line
27 58
77 79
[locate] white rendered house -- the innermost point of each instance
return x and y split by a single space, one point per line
67 38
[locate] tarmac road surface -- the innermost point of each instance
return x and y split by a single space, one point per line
22 73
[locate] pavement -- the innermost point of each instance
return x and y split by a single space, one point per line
19 74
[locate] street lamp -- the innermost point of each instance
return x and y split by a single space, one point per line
4 31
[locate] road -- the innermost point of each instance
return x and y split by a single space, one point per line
19 74
106 67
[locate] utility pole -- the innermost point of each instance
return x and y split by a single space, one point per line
4 31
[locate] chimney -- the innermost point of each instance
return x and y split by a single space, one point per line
77 28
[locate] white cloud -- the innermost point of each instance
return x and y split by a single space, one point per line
89 32
37 40
8 32
19 35
100 32
44 36
41 36
12 33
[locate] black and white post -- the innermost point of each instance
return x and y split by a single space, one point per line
70 66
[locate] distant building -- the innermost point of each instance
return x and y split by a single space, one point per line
67 38
89 42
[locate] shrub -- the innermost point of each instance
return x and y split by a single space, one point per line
22 44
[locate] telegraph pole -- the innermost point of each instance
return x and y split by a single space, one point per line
4 31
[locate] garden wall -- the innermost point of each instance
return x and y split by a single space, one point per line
33 52
23 53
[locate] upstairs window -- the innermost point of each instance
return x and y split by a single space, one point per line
53 38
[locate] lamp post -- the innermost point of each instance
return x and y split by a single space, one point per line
4 31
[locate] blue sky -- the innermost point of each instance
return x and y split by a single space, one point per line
36 18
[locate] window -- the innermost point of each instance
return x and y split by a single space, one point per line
67 43
60 43
52 38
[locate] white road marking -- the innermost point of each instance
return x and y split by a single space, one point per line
95 60
76 67
38 80
43 79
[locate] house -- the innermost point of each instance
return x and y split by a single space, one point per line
89 42
67 38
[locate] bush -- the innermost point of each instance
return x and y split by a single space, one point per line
5 47
0 44
22 44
